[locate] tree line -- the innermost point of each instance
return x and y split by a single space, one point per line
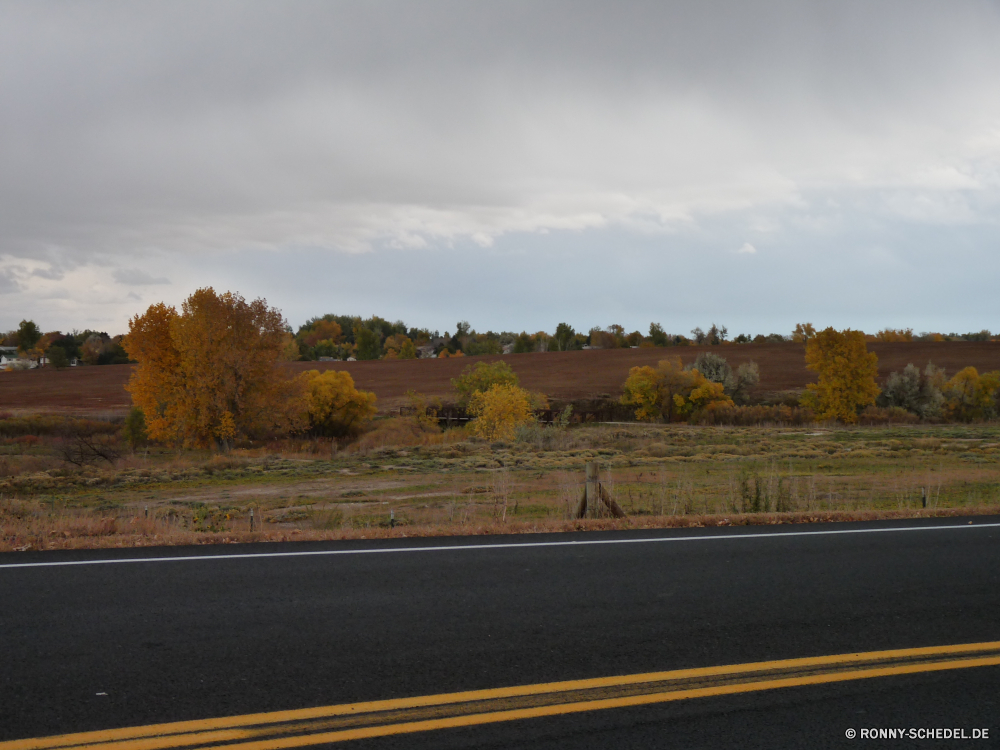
343 337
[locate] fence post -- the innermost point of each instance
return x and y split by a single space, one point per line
593 490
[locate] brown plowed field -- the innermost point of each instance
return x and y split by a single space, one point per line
560 375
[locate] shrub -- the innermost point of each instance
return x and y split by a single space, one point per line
736 384
671 393
134 429
499 410
333 406
916 392
972 397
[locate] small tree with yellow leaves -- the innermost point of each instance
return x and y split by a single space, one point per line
971 397
847 372
499 411
671 393
333 406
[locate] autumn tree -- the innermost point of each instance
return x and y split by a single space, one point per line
481 377
847 372
499 411
670 392
210 373
334 407
971 397
894 334
399 346
322 330
803 332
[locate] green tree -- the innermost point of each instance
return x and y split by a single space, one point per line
523 344
657 335
134 430
564 336
847 372
480 377
27 335
57 357
369 343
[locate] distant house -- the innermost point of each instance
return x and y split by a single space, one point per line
11 360
352 359
508 348
425 352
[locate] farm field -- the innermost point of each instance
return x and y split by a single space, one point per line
663 475
562 376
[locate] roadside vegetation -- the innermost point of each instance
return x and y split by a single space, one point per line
222 445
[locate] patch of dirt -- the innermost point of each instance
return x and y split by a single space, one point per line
562 376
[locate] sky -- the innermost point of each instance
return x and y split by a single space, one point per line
514 164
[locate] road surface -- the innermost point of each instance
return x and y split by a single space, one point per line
98 640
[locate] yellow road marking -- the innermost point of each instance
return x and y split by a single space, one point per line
257 731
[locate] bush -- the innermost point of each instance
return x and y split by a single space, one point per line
916 392
334 407
736 384
671 393
134 430
971 397
499 411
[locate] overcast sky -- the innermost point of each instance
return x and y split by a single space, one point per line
511 164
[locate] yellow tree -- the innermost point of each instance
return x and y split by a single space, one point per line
211 372
971 396
846 371
399 346
643 392
803 332
333 405
670 392
499 410
894 334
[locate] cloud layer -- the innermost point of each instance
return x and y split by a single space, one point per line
147 149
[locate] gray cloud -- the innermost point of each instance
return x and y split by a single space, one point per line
135 277
135 135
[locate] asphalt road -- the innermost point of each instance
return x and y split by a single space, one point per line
88 647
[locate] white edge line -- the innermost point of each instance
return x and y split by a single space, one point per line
506 545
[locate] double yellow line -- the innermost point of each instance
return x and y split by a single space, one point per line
351 721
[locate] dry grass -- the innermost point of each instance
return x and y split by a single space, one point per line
51 532
443 483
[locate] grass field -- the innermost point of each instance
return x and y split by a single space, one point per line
660 475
